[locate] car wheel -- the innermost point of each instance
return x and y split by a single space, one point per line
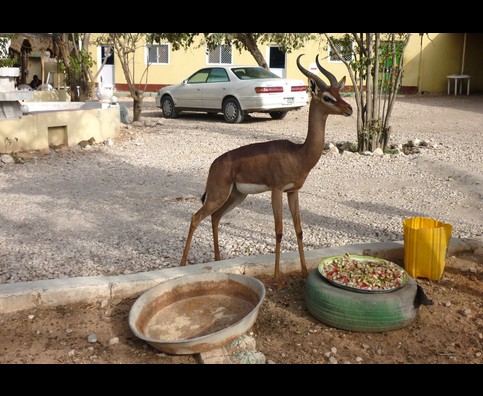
278 115
232 111
362 312
167 105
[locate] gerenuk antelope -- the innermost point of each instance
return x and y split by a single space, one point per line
278 166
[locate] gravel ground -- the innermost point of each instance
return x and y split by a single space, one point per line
125 208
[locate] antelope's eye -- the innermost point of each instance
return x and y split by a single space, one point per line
328 99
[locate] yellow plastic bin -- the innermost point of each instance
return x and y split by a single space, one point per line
425 245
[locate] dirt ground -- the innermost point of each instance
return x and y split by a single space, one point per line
449 331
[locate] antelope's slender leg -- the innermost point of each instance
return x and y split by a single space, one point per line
293 203
235 199
277 206
212 203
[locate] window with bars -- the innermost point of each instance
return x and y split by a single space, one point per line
158 53
344 48
220 55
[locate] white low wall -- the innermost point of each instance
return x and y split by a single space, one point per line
60 106
60 123
56 95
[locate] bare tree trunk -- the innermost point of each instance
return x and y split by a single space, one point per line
61 41
124 47
370 88
138 104
248 40
376 96
68 52
369 129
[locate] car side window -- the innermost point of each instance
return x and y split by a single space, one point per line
218 75
199 77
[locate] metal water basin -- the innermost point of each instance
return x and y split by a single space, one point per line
196 313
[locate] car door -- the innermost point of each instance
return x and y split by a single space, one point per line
215 88
189 93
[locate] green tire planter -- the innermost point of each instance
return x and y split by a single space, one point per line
362 312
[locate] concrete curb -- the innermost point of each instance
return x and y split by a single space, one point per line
26 295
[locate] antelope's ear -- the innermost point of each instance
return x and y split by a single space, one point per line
342 83
313 86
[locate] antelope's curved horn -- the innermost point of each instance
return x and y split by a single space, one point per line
320 83
326 73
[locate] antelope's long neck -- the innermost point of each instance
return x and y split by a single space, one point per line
315 140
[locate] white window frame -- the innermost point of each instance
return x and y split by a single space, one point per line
330 59
146 54
217 49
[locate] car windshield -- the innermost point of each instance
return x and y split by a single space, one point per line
252 73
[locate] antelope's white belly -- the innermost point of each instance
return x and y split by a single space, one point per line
250 188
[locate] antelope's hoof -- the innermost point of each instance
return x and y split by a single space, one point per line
275 283
280 283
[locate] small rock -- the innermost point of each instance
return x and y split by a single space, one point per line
248 357
270 362
242 343
334 151
31 317
7 159
333 350
358 359
333 360
104 303
215 356
378 151
365 346
327 354
478 354
414 142
69 331
92 338
71 353
447 304
467 312
114 341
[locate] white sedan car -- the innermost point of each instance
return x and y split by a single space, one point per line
234 91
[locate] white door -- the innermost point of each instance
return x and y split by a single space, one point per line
276 61
106 76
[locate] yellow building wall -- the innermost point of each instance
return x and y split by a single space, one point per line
436 55
184 62
441 55
428 59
